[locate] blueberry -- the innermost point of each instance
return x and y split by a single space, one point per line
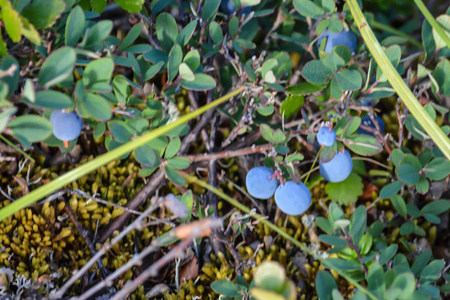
293 198
228 8
367 102
326 136
66 124
366 121
337 169
346 38
260 184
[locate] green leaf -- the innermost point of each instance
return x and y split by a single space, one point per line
420 263
121 131
175 59
399 204
57 67
131 6
132 35
166 30
272 136
324 225
341 264
436 207
391 189
333 240
98 5
30 128
327 153
146 156
209 9
97 33
438 168
246 3
428 40
186 33
291 105
174 176
233 26
3 51
393 53
387 254
202 82
406 283
215 32
172 148
192 59
153 70
308 8
333 61
431 272
407 228
98 71
5 115
30 32
43 13
351 126
10 63
74 26
442 76
408 174
11 19
349 79
225 287
121 89
444 21
347 191
365 244
50 99
178 163
325 284
316 72
186 72
305 88
96 106
375 280
266 110
363 144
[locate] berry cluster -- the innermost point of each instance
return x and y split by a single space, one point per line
292 198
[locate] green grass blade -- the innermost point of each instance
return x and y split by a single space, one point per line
426 13
102 160
402 90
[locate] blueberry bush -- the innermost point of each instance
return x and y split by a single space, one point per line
232 149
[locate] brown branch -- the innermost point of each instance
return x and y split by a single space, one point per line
230 153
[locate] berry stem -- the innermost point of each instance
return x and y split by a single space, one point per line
312 167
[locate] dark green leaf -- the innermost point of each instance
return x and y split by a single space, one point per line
304 88
324 225
51 99
146 156
438 168
225 287
166 30
132 35
393 53
428 40
333 61
174 176
97 33
399 205
97 106
436 207
316 72
5 115
333 240
10 63
408 174
175 59
308 8
406 283
349 79
358 223
57 67
186 33
407 228
391 189
387 254
352 126
98 71
431 272
266 110
375 280
341 264
178 163
192 59
209 9
74 26
121 131
413 211
325 284
420 263
30 128
215 32
327 153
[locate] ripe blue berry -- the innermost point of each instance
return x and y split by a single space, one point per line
366 121
326 136
337 169
293 198
66 124
260 184
346 38
367 102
